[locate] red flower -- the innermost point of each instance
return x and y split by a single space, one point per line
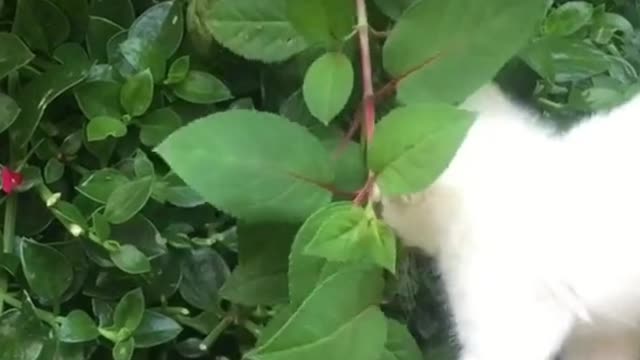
10 180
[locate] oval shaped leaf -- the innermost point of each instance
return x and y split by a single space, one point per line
37 261
327 85
137 93
162 25
201 88
9 111
101 127
77 327
130 260
125 201
157 125
99 98
14 54
259 178
256 30
155 329
406 135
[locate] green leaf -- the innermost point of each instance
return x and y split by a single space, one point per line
157 125
23 335
349 233
465 51
101 226
201 88
137 93
101 127
405 135
133 55
162 25
9 111
129 313
99 185
400 343
256 30
99 32
327 22
259 178
328 85
125 201
300 331
77 327
394 8
203 266
41 24
123 350
141 233
563 60
69 215
10 263
261 276
120 12
99 98
164 278
53 170
349 164
14 54
37 262
77 11
568 18
155 329
34 98
130 260
178 70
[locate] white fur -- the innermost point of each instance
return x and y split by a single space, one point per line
537 235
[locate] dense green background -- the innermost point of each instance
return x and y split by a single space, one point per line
179 168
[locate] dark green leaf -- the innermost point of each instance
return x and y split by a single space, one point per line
23 335
101 184
77 327
37 261
203 273
13 54
69 215
327 22
201 88
349 164
259 178
155 329
162 25
9 263
53 170
125 201
77 11
41 24
137 93
139 231
9 110
98 34
118 11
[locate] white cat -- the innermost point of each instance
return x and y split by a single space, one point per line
537 235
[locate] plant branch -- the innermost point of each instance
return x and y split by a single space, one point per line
368 98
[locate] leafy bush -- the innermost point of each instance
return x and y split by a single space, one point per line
182 177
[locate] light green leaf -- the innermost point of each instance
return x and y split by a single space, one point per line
99 185
563 60
568 18
349 164
157 125
70 216
99 98
14 54
130 260
101 127
299 331
327 85
178 70
9 111
155 329
468 50
125 201
415 144
201 88
259 178
37 261
400 343
77 327
123 350
137 93
133 55
256 30
349 233
129 313
327 22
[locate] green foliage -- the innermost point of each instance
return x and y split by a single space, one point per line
191 182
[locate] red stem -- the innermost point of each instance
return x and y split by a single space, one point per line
368 98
